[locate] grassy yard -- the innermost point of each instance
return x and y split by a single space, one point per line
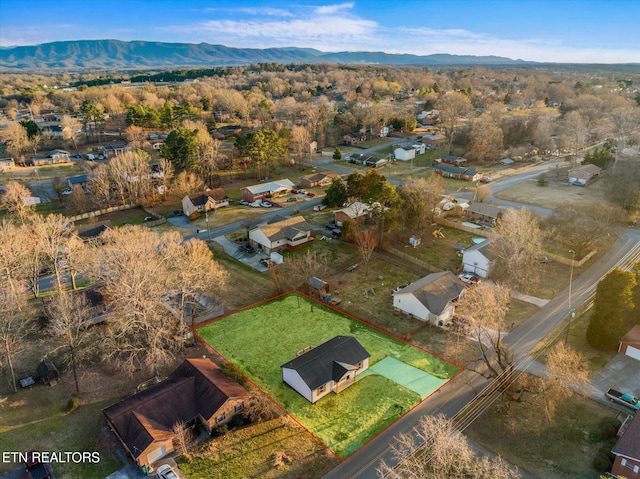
254 341
557 450
250 452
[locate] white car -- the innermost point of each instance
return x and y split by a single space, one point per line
266 205
68 191
319 207
255 204
165 472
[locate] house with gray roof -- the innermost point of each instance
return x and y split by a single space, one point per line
286 233
432 298
456 172
479 259
330 366
53 157
484 212
263 190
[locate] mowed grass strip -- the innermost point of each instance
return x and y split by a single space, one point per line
260 339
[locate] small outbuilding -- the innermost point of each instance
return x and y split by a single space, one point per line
630 343
48 372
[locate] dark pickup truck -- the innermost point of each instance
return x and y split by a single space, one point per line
625 399
36 469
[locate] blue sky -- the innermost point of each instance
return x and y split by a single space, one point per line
605 31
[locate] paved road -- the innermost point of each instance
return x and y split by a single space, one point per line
460 397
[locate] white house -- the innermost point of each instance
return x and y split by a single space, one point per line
584 174
419 147
478 259
330 366
354 211
404 153
432 298
290 232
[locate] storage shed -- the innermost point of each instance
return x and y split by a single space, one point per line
48 372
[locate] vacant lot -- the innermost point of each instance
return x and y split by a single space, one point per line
134 216
260 339
555 195
251 452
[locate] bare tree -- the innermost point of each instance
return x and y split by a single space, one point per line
186 183
15 201
300 140
70 129
574 132
420 199
53 234
14 327
486 139
182 439
196 275
366 242
135 135
260 407
15 136
452 106
517 247
482 192
69 315
566 374
486 305
434 449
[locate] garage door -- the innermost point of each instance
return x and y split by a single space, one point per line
156 454
633 352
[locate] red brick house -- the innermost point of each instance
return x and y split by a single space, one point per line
197 394
630 343
318 179
627 451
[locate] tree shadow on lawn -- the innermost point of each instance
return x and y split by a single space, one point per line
260 339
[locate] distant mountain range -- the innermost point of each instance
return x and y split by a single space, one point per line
119 55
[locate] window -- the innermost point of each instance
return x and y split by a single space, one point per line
322 389
239 407
220 418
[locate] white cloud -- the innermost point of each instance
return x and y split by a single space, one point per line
333 9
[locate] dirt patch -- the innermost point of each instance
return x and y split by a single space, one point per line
134 216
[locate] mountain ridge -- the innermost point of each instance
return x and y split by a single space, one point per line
140 54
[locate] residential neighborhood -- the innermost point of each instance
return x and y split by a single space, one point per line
293 267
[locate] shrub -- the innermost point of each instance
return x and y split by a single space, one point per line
615 422
73 404
220 430
607 430
595 436
280 459
601 462
607 452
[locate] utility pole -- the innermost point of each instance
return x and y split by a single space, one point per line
571 313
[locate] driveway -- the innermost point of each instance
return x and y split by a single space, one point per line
621 373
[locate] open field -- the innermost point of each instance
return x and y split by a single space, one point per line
254 341
134 216
556 450
250 452
555 195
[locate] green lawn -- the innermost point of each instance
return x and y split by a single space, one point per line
260 339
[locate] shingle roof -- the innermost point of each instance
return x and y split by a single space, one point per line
456 170
217 194
629 444
196 388
436 290
287 228
328 361
483 248
484 210
633 336
271 186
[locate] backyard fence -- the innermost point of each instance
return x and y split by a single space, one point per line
92 214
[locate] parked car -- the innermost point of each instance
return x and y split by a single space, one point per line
292 199
294 192
311 195
469 278
266 205
67 191
625 399
35 468
166 472
486 179
255 204
243 202
319 207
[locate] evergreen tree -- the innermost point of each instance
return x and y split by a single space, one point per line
337 154
336 195
614 299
